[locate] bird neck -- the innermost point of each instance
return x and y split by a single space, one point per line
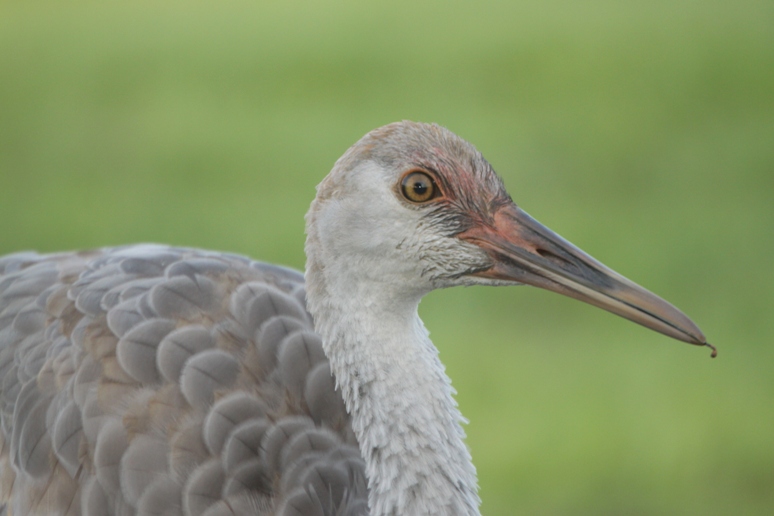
394 386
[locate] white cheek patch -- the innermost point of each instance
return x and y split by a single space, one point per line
391 238
446 260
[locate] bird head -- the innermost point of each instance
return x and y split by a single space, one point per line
412 207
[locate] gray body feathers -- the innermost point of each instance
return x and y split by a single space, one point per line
164 381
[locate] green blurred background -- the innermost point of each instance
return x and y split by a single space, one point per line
641 131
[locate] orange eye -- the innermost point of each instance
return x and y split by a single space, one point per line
419 187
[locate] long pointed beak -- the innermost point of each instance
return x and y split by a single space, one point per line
525 251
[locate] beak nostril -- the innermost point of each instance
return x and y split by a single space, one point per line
558 261
552 257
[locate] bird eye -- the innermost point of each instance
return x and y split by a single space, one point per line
418 186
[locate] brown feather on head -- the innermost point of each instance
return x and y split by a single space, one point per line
472 190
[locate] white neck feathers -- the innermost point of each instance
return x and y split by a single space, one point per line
395 387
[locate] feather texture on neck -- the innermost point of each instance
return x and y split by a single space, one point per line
394 385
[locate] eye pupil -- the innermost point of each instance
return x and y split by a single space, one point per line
418 187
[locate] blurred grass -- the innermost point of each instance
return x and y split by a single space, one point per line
642 131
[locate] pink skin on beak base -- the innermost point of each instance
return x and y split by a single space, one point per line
525 251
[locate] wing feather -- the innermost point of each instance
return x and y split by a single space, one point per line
166 381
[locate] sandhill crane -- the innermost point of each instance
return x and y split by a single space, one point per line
158 380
